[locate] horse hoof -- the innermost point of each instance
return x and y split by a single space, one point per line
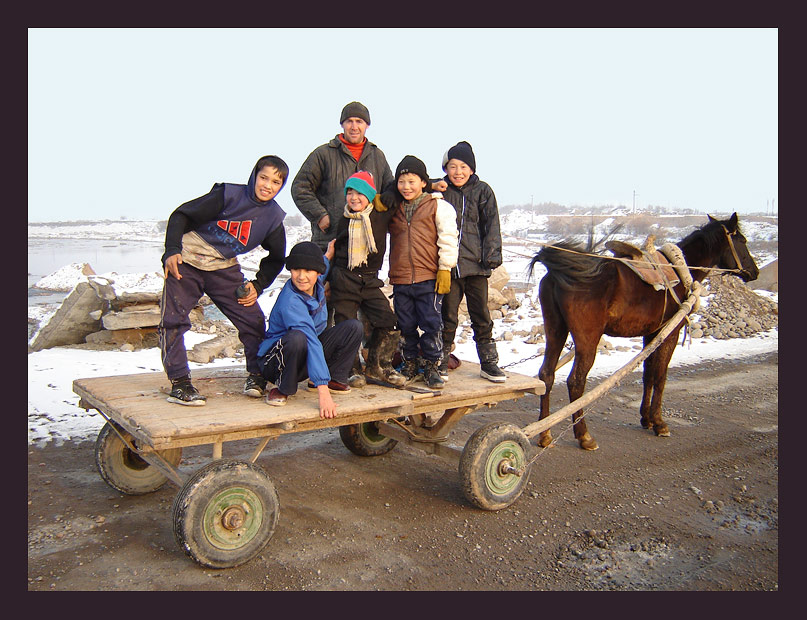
645 424
587 442
545 440
662 431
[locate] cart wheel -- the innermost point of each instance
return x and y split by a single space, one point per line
365 440
123 469
490 450
225 514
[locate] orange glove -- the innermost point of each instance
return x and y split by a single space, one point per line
443 282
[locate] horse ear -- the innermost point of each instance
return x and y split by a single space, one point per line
711 219
733 220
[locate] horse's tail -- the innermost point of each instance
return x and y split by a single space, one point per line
573 264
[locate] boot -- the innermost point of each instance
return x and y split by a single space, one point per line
410 369
442 368
488 361
381 347
431 376
356 378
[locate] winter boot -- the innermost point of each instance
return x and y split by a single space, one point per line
431 376
183 393
488 360
410 370
356 378
381 347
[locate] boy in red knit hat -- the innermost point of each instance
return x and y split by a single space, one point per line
361 242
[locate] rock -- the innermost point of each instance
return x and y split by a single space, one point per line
499 278
203 352
72 322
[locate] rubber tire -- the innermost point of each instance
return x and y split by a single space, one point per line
364 439
198 507
123 469
482 483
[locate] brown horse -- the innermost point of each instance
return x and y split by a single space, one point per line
590 295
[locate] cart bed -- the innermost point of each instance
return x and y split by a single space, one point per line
138 404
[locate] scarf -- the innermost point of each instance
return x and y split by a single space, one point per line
360 240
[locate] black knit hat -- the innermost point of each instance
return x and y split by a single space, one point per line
412 164
354 108
306 255
463 152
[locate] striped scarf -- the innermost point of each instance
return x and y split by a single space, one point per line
360 240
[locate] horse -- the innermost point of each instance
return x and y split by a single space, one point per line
589 295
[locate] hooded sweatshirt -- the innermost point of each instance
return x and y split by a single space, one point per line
210 231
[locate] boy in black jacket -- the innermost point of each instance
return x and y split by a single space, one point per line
480 252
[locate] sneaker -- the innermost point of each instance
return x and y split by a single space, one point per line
183 393
255 386
276 397
431 376
491 372
333 386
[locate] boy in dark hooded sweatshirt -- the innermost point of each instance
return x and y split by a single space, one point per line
202 239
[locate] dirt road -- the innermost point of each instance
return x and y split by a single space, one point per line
696 511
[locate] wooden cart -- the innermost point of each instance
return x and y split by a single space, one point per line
226 511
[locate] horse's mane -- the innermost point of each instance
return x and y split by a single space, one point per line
711 234
574 264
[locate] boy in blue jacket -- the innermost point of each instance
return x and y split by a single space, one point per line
298 342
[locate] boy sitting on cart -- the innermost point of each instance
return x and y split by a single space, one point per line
298 343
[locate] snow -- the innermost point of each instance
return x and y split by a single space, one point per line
54 415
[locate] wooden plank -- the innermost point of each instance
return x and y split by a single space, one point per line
137 402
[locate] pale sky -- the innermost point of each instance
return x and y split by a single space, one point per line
132 123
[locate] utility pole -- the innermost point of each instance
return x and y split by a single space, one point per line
634 202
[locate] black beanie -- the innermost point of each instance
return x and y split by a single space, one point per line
306 255
412 164
354 108
463 152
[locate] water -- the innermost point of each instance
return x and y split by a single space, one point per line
46 256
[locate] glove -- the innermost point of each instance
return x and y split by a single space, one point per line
378 205
443 283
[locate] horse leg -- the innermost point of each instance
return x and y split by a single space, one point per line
555 333
585 349
654 379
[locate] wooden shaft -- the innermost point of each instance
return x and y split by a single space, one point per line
564 412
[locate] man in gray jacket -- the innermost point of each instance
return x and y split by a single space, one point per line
318 190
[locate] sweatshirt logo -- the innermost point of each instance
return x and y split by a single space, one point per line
239 230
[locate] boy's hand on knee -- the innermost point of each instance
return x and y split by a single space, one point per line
172 264
443 283
251 296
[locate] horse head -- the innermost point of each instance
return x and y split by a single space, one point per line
735 254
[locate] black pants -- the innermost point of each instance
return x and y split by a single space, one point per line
180 296
475 290
286 363
352 291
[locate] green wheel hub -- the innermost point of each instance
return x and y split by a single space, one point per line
233 517
507 454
